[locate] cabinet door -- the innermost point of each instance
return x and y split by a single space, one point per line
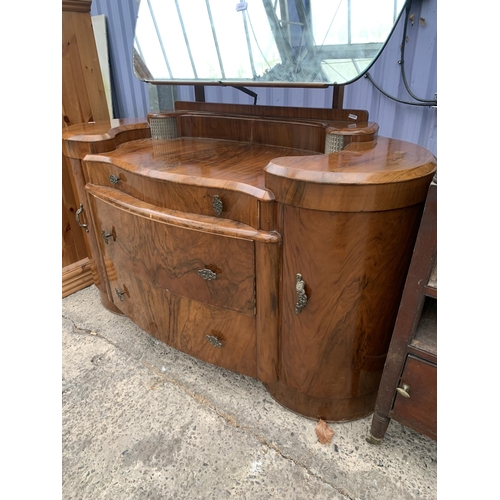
354 266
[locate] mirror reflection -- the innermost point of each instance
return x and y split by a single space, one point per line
261 42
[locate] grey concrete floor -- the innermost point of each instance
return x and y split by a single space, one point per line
141 420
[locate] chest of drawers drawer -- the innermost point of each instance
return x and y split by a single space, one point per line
184 197
219 336
416 398
200 265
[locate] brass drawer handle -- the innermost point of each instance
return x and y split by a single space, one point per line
217 205
206 274
214 341
77 217
108 235
404 391
113 179
120 294
300 286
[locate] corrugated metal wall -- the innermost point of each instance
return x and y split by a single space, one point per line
130 95
402 121
132 98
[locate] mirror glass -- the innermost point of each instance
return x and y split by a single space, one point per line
260 42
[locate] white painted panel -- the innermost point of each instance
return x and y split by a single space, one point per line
101 40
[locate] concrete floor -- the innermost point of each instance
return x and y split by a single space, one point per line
144 421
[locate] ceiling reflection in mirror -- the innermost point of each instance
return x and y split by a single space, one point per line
260 42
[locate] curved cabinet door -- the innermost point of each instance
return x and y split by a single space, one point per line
354 266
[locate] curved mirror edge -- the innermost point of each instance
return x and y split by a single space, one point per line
169 50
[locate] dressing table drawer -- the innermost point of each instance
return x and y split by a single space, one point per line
146 305
157 248
221 337
176 195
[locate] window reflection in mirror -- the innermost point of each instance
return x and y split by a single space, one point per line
266 42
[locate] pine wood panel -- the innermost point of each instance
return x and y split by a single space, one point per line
83 100
76 277
73 243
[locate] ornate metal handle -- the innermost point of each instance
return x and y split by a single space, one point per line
113 179
404 391
214 341
300 286
77 217
120 294
107 235
206 274
217 205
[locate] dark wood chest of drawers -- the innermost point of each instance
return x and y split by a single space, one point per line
408 389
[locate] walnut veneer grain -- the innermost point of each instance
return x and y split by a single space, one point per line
201 238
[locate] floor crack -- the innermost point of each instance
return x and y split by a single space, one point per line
200 399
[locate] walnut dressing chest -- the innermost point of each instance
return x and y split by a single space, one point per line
270 241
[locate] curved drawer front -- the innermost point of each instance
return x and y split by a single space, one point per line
147 306
218 336
221 337
216 202
200 265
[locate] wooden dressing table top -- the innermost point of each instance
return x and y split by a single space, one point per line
207 162
379 162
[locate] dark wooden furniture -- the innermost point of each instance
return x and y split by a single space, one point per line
271 241
83 100
408 387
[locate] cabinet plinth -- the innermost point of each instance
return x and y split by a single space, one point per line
239 241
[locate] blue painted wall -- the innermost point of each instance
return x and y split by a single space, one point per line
417 124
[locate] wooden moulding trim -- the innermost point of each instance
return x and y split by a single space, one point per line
369 129
349 198
76 5
76 277
205 223
97 131
206 182
80 140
